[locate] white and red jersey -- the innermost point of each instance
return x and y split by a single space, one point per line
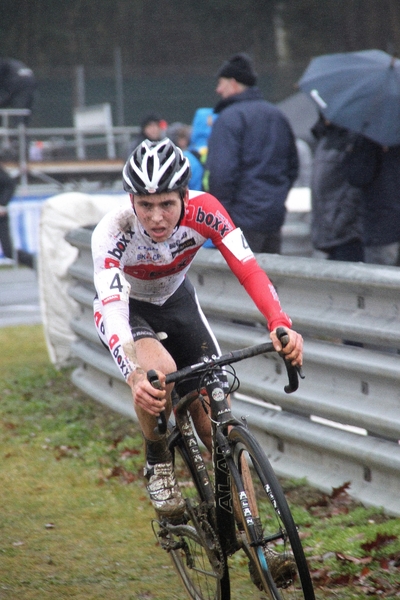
127 263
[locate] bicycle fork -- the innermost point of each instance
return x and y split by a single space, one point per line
248 516
244 508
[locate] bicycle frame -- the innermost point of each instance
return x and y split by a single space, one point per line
224 469
227 518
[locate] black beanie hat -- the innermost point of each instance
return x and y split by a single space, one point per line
239 67
150 118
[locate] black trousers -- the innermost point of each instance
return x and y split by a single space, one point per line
269 243
7 188
187 334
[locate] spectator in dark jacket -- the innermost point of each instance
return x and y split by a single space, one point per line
7 188
17 87
376 171
336 226
382 209
252 158
17 90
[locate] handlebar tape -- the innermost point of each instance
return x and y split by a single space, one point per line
292 372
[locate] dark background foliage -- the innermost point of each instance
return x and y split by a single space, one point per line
170 50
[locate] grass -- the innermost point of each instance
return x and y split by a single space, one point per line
75 517
72 524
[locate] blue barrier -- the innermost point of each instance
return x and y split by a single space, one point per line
24 219
24 213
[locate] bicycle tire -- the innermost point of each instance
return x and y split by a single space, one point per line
279 567
194 547
192 565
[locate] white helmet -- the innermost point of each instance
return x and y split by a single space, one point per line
155 167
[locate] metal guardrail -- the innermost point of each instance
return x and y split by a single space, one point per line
343 424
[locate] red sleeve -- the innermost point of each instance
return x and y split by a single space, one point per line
259 287
211 219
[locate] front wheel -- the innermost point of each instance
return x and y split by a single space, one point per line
277 562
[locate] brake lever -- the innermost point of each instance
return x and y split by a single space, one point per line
293 372
161 419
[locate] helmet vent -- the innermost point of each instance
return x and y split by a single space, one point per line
154 167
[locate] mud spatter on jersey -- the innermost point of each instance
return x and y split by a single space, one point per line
153 271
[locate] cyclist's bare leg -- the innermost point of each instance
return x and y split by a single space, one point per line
151 354
203 427
162 487
202 423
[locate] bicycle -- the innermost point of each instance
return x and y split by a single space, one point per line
238 505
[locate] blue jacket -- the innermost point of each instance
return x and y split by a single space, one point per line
252 160
197 170
201 128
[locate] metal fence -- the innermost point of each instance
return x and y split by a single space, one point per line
29 147
342 425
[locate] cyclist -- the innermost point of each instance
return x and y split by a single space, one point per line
146 310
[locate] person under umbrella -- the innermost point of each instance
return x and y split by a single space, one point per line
360 91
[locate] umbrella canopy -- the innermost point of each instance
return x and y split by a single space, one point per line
302 114
359 91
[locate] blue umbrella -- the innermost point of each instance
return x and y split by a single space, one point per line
359 91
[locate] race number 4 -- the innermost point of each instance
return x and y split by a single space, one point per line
111 286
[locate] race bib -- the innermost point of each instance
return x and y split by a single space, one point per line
111 286
237 244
